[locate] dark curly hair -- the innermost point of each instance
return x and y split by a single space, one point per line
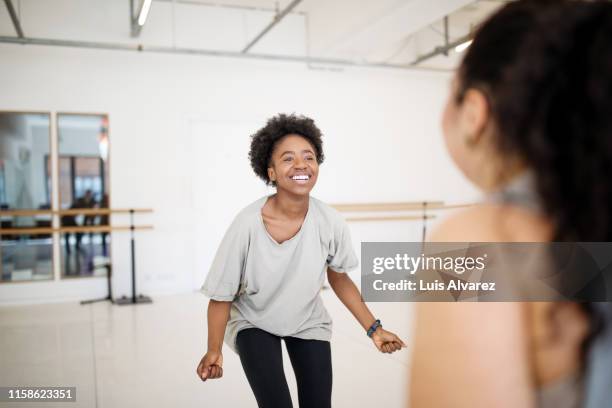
546 67
277 128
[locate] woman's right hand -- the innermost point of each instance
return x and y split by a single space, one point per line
211 366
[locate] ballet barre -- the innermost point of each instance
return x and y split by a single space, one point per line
47 230
390 218
73 211
399 206
124 300
385 207
392 207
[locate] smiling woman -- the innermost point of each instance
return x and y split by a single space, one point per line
277 130
266 277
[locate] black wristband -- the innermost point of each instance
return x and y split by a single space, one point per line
373 327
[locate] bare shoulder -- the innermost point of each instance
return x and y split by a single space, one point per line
493 223
475 340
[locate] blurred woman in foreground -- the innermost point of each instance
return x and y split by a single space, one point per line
529 121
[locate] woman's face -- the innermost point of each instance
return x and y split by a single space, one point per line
294 165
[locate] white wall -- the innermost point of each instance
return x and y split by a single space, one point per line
381 138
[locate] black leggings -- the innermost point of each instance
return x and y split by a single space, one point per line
262 360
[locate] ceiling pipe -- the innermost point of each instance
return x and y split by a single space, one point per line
14 18
277 19
442 50
210 53
446 35
138 20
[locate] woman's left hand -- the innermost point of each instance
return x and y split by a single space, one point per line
386 342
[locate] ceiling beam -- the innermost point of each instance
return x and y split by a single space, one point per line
138 19
443 50
277 19
210 53
212 3
446 35
14 18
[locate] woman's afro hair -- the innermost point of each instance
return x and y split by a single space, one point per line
277 127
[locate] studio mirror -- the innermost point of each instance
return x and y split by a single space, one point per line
83 184
25 185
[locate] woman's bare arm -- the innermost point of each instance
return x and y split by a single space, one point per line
211 365
349 295
218 315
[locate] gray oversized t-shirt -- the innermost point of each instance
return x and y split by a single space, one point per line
275 287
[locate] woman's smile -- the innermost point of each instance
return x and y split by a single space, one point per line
301 178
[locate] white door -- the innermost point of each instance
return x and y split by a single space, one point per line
223 183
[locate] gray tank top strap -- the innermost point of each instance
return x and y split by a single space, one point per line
564 393
520 191
598 376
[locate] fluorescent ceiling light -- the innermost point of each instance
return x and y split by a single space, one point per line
144 12
463 46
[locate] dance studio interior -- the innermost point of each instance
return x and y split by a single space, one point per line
125 128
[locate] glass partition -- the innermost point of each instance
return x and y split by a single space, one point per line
25 184
83 184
